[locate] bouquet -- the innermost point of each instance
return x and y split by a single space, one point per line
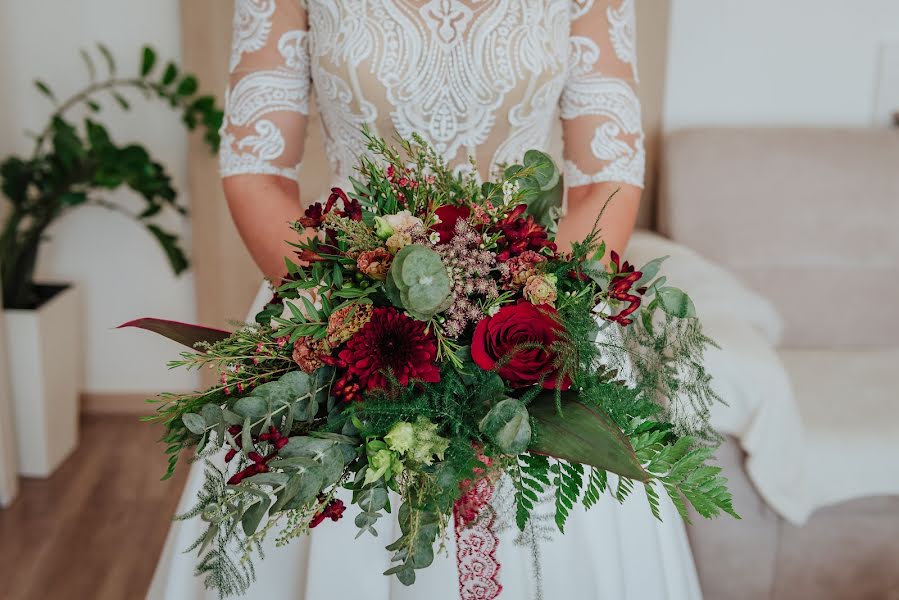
429 340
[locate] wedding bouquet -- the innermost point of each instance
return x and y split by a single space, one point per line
429 340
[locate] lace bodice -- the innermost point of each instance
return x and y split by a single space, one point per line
481 78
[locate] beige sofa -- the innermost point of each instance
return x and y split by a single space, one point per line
809 219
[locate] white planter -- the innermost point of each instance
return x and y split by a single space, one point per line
45 353
9 468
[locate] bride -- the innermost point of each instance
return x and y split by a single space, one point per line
480 78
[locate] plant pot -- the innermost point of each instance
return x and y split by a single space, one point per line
9 469
45 353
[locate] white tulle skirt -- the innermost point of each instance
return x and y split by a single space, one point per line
610 552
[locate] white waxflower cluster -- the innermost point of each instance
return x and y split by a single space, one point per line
510 189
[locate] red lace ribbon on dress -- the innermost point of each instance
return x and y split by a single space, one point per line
476 543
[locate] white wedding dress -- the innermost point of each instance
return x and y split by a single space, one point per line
481 78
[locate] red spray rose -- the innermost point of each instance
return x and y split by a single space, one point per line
448 215
499 338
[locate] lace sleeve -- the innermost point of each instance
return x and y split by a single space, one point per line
599 106
268 96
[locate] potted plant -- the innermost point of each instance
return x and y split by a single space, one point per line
74 165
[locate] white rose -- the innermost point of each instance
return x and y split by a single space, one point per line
404 222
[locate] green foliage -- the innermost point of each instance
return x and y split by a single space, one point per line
667 359
508 425
75 164
531 479
576 432
636 410
219 545
421 282
541 187
568 480
597 483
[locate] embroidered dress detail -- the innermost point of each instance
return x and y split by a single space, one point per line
472 77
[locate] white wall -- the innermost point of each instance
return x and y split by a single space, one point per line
123 272
777 62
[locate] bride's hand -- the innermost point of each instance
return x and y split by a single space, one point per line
584 205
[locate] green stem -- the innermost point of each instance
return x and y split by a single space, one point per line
80 97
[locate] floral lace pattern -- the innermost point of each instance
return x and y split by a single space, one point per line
477 543
480 78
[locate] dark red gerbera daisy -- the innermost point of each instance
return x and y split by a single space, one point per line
390 342
520 234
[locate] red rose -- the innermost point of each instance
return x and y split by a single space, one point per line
498 338
448 215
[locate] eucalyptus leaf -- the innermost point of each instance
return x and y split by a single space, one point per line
311 484
297 383
253 516
308 447
372 499
650 270
212 414
366 520
676 302
544 170
290 491
194 423
271 479
508 425
422 552
231 417
491 388
406 576
273 393
246 441
253 407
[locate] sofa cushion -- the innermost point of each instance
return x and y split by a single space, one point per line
806 217
849 409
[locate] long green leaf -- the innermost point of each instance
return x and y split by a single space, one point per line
183 333
582 434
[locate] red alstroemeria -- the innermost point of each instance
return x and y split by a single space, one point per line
315 213
620 288
259 463
519 234
334 511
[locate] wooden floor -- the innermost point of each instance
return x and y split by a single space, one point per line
95 529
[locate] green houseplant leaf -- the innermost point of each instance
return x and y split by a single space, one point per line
72 164
582 434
